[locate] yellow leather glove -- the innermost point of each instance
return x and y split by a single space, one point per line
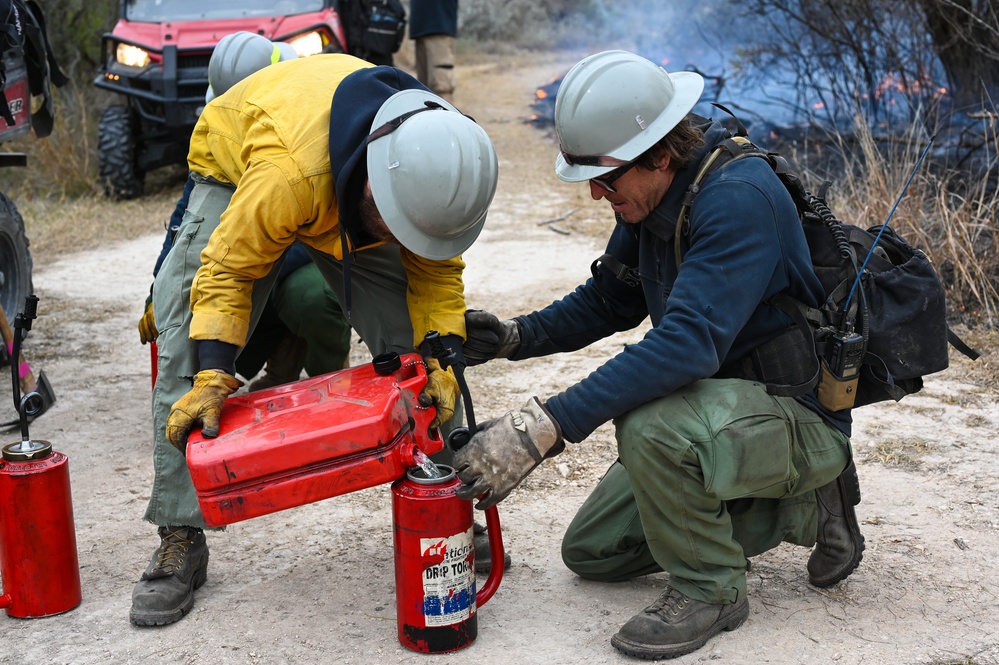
147 326
202 404
441 390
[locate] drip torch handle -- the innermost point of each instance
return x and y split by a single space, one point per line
496 552
446 357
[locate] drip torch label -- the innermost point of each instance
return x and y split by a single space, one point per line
448 578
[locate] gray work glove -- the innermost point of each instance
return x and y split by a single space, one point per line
486 337
504 451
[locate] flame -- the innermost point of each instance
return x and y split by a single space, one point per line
919 86
542 94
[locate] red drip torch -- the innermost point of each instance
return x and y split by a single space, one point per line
153 360
436 598
38 557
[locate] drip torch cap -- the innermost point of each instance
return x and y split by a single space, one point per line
25 451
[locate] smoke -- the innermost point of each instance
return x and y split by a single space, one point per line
769 84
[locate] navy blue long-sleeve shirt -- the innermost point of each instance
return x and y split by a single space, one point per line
745 245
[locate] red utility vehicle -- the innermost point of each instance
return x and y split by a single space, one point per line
157 59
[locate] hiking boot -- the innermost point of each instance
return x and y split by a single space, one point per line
839 545
676 625
284 365
484 557
165 593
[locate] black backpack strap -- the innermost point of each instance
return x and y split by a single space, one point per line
961 346
624 273
729 150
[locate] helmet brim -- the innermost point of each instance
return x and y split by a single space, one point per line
688 87
393 211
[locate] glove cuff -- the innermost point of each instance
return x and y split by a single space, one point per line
547 434
213 354
215 378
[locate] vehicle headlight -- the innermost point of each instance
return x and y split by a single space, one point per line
308 44
131 56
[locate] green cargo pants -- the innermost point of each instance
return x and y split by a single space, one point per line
714 473
380 316
302 305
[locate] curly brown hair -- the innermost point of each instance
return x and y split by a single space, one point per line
681 144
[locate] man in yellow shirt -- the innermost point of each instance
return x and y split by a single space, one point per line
384 183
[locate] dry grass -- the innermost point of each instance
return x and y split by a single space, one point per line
64 225
904 453
949 215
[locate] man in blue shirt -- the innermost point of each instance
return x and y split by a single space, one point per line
712 469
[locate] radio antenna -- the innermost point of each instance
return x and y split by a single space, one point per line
846 305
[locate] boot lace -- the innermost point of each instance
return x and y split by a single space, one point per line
669 604
173 548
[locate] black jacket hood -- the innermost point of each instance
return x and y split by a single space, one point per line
355 104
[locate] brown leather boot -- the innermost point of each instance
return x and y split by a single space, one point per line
839 545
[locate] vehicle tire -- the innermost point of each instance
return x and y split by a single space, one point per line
119 174
15 260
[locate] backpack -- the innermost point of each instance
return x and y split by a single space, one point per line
25 51
375 29
874 338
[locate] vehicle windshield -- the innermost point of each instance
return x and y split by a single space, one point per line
158 11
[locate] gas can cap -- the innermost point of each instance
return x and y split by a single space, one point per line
387 363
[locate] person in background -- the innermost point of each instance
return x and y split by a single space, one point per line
433 25
713 468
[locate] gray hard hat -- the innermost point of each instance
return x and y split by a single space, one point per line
240 54
433 173
613 106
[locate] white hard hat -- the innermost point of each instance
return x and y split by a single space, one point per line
433 173
240 54
613 106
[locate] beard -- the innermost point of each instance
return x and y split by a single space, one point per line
371 219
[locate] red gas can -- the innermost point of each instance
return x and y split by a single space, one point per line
313 439
38 558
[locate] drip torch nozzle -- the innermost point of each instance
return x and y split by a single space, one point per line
31 404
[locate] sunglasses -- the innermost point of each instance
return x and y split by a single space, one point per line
605 181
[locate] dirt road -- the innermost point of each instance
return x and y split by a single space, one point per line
315 584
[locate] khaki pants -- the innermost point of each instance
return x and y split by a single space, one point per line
380 316
435 64
708 476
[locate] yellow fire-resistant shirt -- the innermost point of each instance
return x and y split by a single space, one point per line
269 136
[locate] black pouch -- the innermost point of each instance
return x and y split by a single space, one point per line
385 27
907 320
